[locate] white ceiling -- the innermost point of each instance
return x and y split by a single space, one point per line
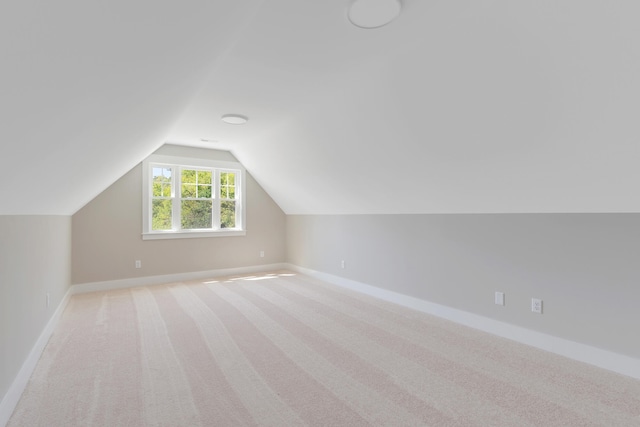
457 106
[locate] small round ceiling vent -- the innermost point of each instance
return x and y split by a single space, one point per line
373 13
235 119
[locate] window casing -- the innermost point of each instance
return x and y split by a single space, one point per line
190 197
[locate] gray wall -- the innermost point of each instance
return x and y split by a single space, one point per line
107 233
35 258
586 267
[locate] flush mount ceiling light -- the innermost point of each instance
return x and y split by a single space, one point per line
373 13
234 119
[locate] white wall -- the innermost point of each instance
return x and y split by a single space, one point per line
35 259
586 267
107 233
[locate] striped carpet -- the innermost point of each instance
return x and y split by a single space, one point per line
282 349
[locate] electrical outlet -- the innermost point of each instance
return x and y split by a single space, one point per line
261 254
499 298
536 305
138 263
342 264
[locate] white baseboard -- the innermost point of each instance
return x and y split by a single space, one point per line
168 278
615 362
10 400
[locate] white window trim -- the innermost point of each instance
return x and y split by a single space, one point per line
148 234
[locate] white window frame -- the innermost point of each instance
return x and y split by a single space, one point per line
177 163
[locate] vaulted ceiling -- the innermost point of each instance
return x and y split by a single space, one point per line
455 107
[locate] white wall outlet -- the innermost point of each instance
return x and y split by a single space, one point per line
536 305
138 263
261 254
342 264
499 298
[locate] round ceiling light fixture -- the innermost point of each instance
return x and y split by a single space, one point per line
373 13
235 119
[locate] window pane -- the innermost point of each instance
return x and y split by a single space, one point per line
157 189
227 214
188 190
204 191
204 177
188 176
161 178
196 214
161 190
227 185
161 215
163 174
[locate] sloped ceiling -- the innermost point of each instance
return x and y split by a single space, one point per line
456 107
90 88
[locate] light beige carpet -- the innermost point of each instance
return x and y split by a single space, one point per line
282 349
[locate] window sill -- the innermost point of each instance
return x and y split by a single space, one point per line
191 234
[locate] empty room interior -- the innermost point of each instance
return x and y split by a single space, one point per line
338 212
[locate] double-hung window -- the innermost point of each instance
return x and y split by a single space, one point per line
185 197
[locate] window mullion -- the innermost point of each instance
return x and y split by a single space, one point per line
150 189
238 201
215 192
176 198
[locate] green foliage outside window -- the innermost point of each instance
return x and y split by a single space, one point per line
196 214
228 214
161 215
196 199
228 206
161 209
227 185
